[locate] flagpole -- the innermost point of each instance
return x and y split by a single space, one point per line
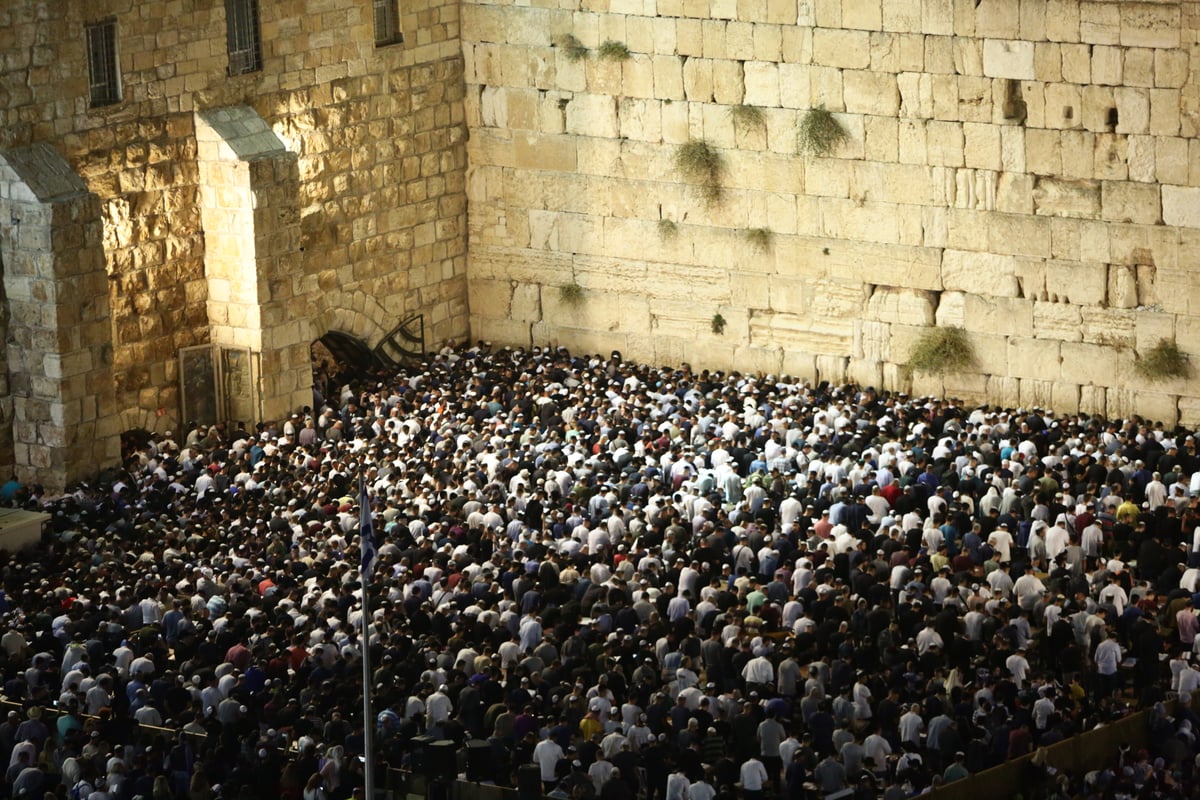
366 530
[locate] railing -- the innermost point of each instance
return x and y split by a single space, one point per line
404 344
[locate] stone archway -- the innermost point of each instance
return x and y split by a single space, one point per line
354 313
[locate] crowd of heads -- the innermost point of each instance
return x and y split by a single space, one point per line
622 578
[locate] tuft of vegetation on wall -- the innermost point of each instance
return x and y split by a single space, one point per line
747 116
667 229
819 132
701 162
1163 361
941 350
718 324
760 239
574 49
571 293
614 51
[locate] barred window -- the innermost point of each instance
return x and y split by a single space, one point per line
243 36
104 74
387 22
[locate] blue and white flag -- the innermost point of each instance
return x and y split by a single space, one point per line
366 533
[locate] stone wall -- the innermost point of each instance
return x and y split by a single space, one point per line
1028 170
375 221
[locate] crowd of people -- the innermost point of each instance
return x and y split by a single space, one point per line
635 581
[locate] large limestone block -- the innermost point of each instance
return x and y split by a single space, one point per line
810 334
1092 400
1150 25
500 331
1170 68
1124 201
641 120
637 76
729 82
1151 327
1133 105
1165 119
762 84
1181 206
1057 321
866 92
928 384
937 17
715 42
1008 59
865 372
832 368
872 340
1086 363
698 80
1036 393
944 143
593 115
846 49
1062 20
1057 197
799 364
1019 234
668 77
905 306
982 273
901 16
1100 22
1107 65
1004 391
526 303
1034 358
951 311
863 14
1189 412
916 94
1003 316
795 90
761 359
1108 326
1122 286
1157 407
1139 66
968 387
1141 159
1075 282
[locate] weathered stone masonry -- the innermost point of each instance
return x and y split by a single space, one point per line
1027 170
325 191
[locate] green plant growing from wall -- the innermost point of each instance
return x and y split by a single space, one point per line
1163 361
574 49
718 324
614 51
941 350
667 229
819 132
701 162
747 116
571 293
760 239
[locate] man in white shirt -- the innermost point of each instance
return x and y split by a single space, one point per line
1108 659
754 779
547 754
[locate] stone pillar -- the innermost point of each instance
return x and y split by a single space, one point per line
249 184
64 418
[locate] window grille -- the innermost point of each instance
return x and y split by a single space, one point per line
387 22
104 75
243 36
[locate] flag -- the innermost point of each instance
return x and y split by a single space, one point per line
366 533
